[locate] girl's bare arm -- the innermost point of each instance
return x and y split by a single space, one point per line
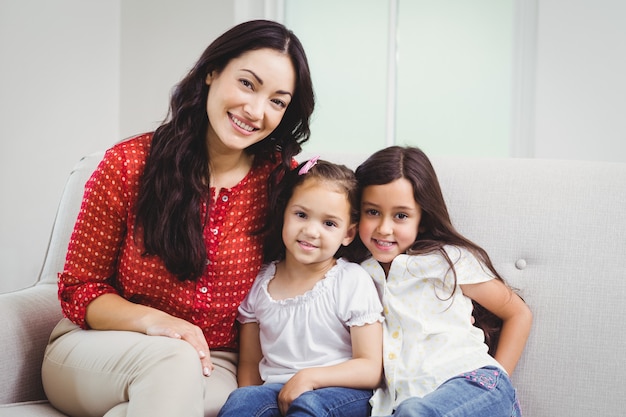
516 317
250 355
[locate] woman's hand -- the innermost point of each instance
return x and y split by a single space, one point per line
170 326
112 312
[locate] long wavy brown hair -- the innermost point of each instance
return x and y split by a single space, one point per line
173 185
435 228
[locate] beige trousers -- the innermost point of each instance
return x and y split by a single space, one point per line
96 373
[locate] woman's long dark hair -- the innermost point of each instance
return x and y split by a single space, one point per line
174 183
435 228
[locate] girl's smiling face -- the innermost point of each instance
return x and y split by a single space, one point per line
248 98
390 219
316 222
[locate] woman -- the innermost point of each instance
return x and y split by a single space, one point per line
164 248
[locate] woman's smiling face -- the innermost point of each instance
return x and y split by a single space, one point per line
248 98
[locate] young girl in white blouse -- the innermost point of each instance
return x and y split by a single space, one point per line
311 333
432 280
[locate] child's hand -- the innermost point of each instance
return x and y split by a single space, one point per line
298 384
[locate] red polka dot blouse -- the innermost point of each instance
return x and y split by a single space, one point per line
104 258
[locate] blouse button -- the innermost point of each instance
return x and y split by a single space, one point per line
214 231
224 198
204 290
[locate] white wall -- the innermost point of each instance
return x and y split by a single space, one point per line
580 95
59 100
161 40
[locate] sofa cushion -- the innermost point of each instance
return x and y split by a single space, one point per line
64 222
28 317
29 409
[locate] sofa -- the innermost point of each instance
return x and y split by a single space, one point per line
556 230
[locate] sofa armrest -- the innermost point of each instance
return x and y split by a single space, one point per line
28 317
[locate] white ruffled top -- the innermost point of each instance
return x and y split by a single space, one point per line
312 329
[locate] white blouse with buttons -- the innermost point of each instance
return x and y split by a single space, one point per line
428 334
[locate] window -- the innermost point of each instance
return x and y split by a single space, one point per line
430 73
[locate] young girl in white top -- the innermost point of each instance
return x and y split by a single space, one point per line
311 333
432 280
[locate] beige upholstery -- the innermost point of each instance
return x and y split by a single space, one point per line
555 229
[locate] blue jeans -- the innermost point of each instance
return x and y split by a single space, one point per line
262 401
483 392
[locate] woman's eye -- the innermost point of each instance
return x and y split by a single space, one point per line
371 212
246 83
401 216
279 103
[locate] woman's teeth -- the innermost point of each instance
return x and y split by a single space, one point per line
242 124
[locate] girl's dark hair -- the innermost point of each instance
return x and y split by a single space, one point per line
337 176
174 183
435 228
